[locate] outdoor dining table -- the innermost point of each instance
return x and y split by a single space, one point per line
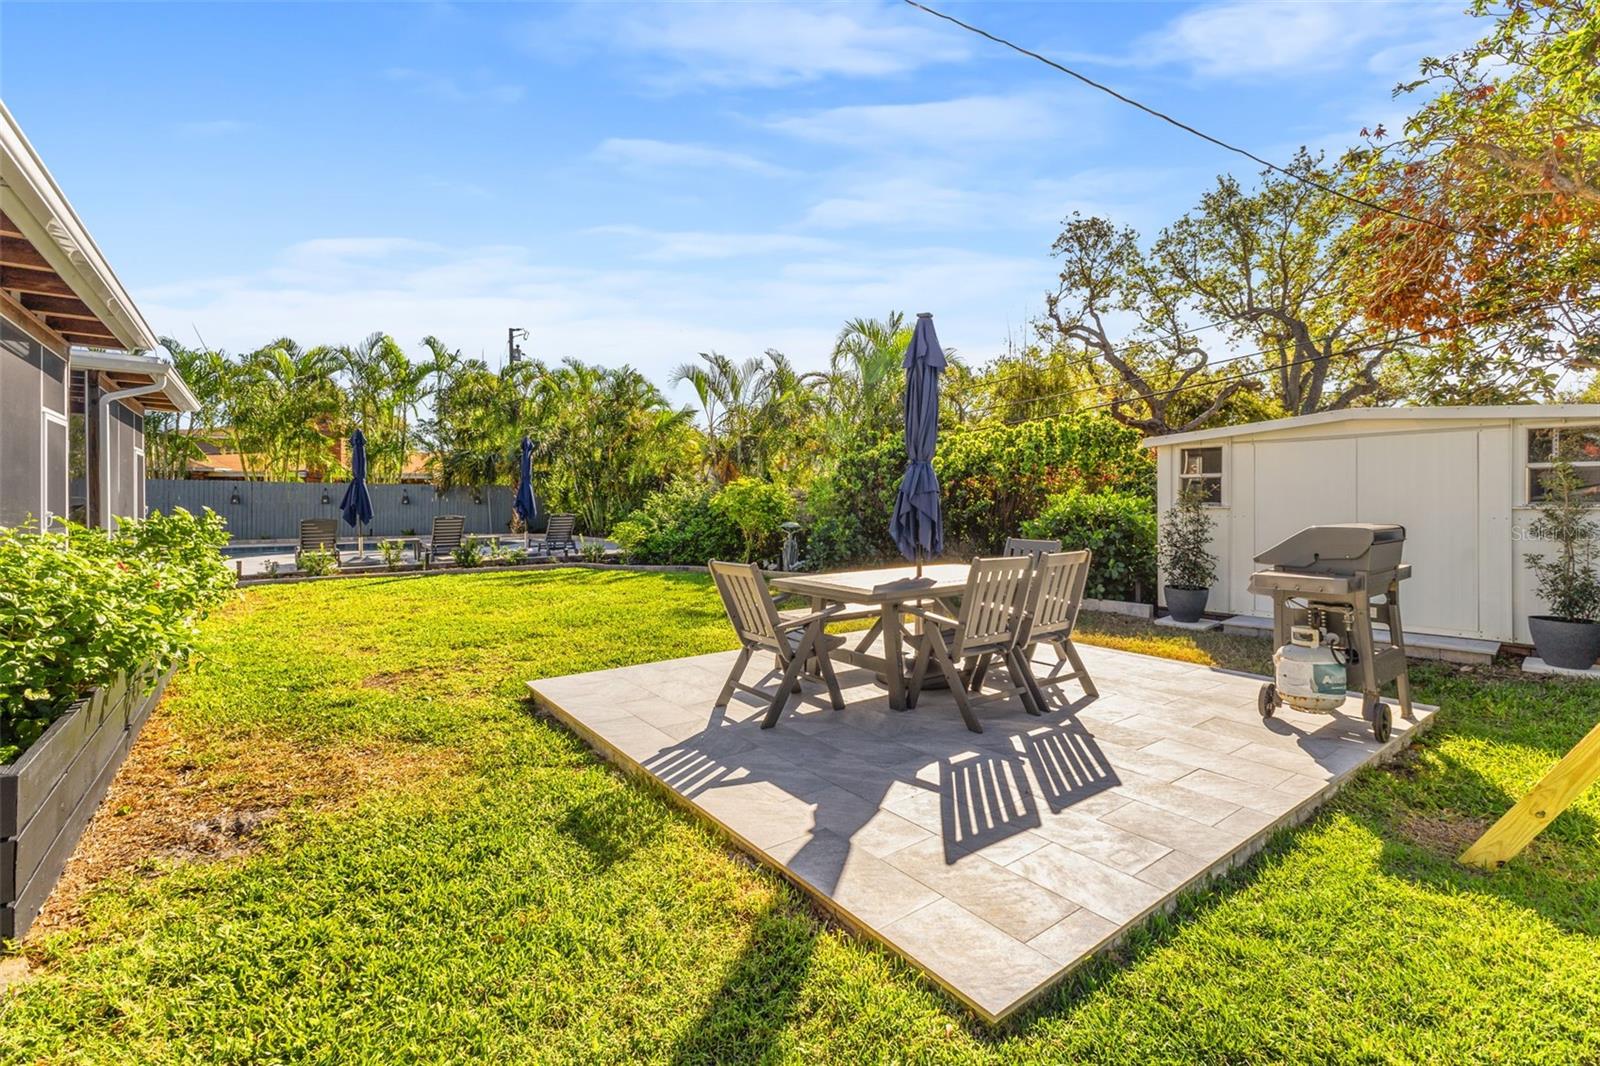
890 589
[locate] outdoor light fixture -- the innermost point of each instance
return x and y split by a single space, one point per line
405 496
477 497
325 497
235 497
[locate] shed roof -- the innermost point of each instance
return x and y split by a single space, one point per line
1504 412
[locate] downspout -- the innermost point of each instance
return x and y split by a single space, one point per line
104 403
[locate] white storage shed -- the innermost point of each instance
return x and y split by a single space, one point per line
1460 479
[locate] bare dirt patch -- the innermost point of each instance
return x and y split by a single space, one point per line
13 972
410 678
205 800
1443 835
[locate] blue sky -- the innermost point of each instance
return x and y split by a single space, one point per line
639 183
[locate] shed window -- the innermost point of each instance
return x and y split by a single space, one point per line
1202 467
1581 443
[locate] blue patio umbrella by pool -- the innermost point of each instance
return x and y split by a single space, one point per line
357 504
917 523
523 504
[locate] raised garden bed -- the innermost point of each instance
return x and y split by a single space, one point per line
48 795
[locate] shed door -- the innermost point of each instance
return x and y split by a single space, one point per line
1301 483
1428 482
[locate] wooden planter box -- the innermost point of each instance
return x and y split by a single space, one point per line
48 795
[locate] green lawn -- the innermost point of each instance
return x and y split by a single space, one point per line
482 887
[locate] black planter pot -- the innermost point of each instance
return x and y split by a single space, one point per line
1186 604
1565 644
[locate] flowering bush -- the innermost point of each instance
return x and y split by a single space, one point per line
79 607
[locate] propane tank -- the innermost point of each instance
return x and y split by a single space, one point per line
1310 675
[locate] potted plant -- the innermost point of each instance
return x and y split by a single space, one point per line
1569 636
1185 561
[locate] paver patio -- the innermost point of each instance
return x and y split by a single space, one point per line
995 862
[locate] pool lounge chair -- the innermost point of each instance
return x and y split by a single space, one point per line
558 537
317 534
444 538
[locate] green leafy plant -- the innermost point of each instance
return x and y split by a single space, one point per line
1184 547
679 525
1118 527
319 562
1567 581
468 553
992 478
758 508
593 551
393 552
80 607
270 568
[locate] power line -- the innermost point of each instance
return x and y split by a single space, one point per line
1164 117
1247 374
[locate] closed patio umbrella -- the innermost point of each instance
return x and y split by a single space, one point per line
523 505
357 504
917 523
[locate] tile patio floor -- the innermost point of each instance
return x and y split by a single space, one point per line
994 862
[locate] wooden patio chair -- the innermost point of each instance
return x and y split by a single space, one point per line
445 536
1054 600
796 639
559 536
1031 548
317 534
989 623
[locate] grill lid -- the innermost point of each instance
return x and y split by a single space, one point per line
1351 541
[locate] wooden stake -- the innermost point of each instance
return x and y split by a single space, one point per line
1515 830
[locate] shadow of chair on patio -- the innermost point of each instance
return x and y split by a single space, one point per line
1068 765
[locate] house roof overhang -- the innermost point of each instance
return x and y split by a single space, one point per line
127 371
48 262
1507 412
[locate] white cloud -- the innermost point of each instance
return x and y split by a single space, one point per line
1244 39
964 120
645 154
478 88
763 45
334 290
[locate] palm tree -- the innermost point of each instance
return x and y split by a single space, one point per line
864 379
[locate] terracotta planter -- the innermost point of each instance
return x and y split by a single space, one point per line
1565 644
1186 604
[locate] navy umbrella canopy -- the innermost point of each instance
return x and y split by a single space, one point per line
523 504
357 504
917 523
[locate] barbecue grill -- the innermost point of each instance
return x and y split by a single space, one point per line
1329 584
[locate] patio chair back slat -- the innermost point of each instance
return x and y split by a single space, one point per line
446 534
1057 594
558 531
1031 548
992 606
749 604
319 534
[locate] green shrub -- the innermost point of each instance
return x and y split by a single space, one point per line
394 552
319 563
468 553
1119 527
682 525
992 478
758 508
79 607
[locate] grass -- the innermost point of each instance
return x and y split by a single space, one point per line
474 884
